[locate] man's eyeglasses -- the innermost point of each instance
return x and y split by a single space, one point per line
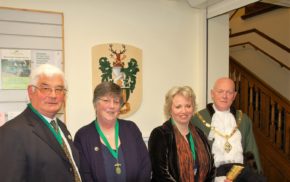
49 90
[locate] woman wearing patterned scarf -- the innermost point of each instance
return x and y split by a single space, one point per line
178 150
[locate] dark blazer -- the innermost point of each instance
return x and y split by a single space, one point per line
29 152
137 161
163 154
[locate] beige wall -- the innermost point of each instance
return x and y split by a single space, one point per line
170 33
218 50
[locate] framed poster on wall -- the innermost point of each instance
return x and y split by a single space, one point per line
28 38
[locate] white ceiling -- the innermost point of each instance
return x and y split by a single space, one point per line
202 3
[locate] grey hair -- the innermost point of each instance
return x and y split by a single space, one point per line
185 91
107 89
46 70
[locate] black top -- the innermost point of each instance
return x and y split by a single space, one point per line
164 158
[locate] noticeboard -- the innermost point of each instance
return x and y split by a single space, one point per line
27 38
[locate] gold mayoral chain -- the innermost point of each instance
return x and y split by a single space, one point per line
227 146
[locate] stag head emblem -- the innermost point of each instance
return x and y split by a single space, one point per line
118 56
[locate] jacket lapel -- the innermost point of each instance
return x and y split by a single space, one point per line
42 131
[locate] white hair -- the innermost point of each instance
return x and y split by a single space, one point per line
47 70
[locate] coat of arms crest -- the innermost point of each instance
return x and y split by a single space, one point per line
119 63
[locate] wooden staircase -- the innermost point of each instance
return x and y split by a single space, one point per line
270 113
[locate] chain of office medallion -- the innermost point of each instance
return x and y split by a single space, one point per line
218 132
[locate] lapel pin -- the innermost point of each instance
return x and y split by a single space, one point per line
69 137
96 149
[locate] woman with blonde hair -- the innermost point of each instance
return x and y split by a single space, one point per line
178 150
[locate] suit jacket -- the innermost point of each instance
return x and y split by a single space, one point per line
29 151
164 157
137 161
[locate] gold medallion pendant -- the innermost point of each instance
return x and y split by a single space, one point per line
118 168
227 146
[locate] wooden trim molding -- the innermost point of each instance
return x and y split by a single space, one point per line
264 52
277 43
258 8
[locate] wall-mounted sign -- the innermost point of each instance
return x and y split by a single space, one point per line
121 64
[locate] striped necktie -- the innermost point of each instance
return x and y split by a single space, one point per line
66 151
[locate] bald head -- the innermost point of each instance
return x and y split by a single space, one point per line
223 93
224 81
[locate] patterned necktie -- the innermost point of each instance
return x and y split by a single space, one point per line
66 151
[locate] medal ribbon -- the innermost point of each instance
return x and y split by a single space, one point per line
192 148
114 153
57 135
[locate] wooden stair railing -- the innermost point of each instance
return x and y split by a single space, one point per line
262 34
266 37
262 51
270 113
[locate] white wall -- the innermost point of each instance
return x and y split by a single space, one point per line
218 50
170 33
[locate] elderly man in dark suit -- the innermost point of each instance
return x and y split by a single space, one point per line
36 146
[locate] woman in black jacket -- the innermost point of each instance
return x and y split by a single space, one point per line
179 151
